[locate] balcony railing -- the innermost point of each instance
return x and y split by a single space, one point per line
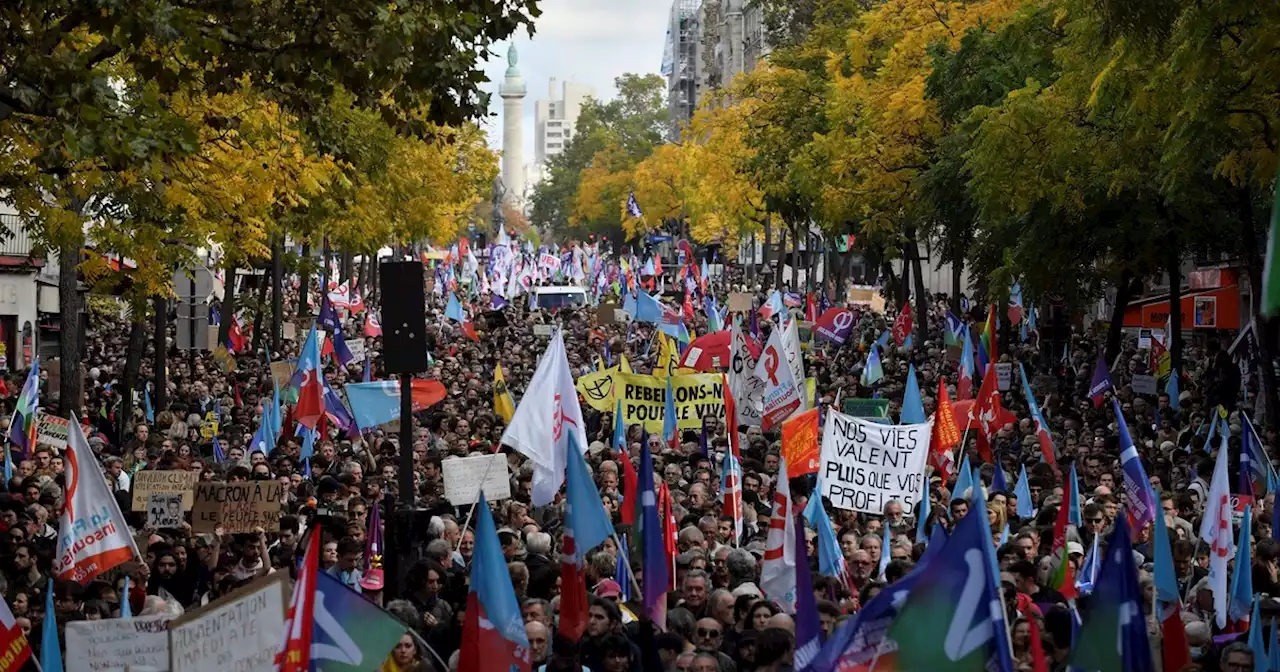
15 242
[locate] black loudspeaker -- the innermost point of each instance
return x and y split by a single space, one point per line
404 317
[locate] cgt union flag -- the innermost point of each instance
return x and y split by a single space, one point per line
93 536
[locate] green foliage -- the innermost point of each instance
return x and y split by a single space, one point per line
634 122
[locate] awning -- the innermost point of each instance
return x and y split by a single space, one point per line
1217 308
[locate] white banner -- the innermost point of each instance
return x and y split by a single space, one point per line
240 631
865 465
795 359
357 348
463 477
748 391
119 644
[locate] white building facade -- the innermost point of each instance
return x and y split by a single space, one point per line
556 116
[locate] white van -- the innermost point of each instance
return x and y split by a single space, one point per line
560 297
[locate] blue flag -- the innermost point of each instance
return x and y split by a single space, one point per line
584 517
340 349
126 608
328 317
1141 502
999 482
872 371
937 541
620 574
1114 633
50 652
647 309
368 370
453 310
1073 500
375 403
964 480
350 634
922 517
1171 389
308 449
669 431
653 550
1258 639
619 431
1023 492
1242 581
1101 382
1166 577
808 631
491 582
830 559
912 405
886 540
149 412
218 454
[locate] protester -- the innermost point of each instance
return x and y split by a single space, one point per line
726 493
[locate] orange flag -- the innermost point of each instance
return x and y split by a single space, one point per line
800 443
946 434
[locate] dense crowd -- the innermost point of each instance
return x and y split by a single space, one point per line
718 618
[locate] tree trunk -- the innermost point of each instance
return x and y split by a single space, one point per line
132 365
1115 334
768 240
795 257
70 321
304 283
904 287
258 340
957 276
1251 252
228 305
346 268
277 293
1173 262
922 296
782 256
160 342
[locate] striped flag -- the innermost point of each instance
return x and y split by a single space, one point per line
299 624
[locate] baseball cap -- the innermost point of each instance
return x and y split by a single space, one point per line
372 580
608 588
1074 548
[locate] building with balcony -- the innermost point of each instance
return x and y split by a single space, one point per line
29 304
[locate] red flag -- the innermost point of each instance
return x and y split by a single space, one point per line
1038 661
469 330
1065 580
236 391
902 325
14 644
630 485
372 327
295 652
946 434
235 337
668 531
310 406
573 594
985 410
810 308
1174 648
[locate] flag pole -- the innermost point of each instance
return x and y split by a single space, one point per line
626 561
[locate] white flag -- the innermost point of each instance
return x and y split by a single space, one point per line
781 389
795 359
547 412
1215 531
92 534
778 574
748 391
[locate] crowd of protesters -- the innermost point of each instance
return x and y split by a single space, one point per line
718 618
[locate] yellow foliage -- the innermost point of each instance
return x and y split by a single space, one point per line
882 125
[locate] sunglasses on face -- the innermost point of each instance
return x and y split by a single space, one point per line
702 632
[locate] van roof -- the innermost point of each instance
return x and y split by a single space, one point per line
560 290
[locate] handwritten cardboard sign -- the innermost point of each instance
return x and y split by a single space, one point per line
148 482
236 507
239 631
118 644
164 510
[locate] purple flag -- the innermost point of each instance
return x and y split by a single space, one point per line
1141 501
808 631
1101 381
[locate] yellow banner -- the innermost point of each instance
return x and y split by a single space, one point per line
644 399
597 389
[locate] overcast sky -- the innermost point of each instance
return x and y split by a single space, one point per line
586 41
